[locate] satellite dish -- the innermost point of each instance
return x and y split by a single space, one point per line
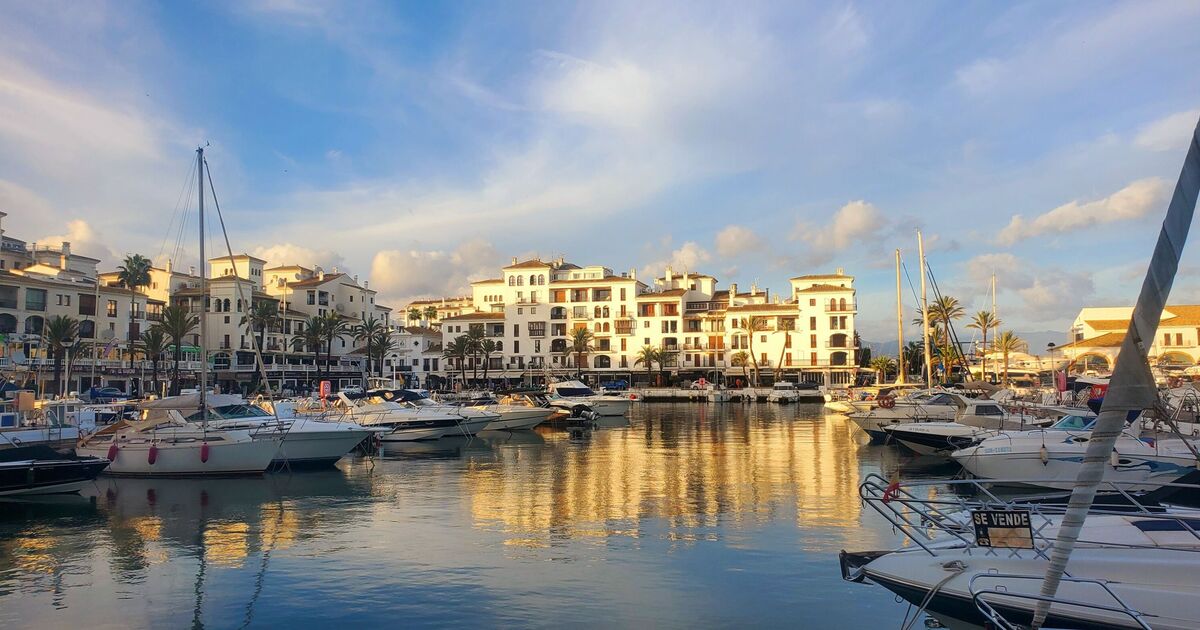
107 334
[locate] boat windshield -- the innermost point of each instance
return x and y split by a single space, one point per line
232 412
1077 423
574 391
787 386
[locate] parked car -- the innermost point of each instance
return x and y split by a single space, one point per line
615 385
103 395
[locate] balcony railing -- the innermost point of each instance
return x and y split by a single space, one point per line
848 307
706 306
844 345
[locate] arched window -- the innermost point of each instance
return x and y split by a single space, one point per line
520 281
605 311
499 346
33 325
512 280
541 278
8 323
87 329
605 326
602 362
597 311
842 304
239 304
226 307
532 280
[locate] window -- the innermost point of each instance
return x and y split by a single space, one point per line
8 297
512 281
812 302
87 304
622 298
516 346
812 323
35 299
87 329
1179 339
312 298
112 308
812 341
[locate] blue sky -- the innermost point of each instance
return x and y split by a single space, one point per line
422 145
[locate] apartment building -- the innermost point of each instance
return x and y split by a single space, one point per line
418 312
1098 331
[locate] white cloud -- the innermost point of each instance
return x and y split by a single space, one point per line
1169 133
857 222
735 240
1046 293
84 239
403 275
687 257
292 254
1131 202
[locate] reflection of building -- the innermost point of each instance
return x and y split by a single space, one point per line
1098 332
738 469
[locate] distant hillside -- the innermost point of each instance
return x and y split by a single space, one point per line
1037 341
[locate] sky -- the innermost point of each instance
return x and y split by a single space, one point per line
423 145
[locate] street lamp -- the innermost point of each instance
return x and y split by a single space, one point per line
1053 370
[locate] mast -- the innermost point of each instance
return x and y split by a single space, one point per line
1131 388
925 314
203 289
900 372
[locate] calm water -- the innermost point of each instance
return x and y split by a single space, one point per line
686 515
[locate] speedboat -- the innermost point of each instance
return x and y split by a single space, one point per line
784 392
33 470
558 409
515 417
980 562
938 407
393 421
163 443
1051 457
566 393
978 419
303 441
472 419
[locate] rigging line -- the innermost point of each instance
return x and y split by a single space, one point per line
175 213
184 220
950 330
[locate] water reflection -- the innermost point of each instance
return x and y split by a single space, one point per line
444 532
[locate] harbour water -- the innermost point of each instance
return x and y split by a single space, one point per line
684 515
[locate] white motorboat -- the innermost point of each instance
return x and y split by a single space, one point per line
472 419
515 417
303 441
937 407
25 422
1051 457
164 444
567 393
784 392
396 422
977 420
973 563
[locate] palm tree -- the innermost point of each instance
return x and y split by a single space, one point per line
457 351
580 345
663 355
983 321
414 315
1007 342
430 314
749 327
153 345
741 359
133 274
177 323
261 315
334 328
882 365
487 348
647 356
475 337
309 339
61 332
368 333
914 357
384 343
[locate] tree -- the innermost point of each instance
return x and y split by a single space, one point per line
153 345
647 356
1008 342
983 321
414 315
430 314
457 351
368 334
914 357
133 274
334 328
882 365
580 345
61 332
177 323
475 337
749 327
384 343
261 315
310 338
663 354
487 348
741 359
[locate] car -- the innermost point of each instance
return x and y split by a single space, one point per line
615 385
101 395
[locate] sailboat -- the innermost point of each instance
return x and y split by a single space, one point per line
165 441
1004 564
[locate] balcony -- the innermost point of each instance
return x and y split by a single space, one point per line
837 307
845 345
706 306
624 330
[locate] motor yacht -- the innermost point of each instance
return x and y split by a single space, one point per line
559 409
566 394
515 417
163 443
977 420
937 407
784 392
303 441
34 470
1051 457
395 422
472 419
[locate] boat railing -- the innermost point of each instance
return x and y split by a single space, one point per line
997 591
932 512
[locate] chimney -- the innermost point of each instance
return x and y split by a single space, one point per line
514 260
366 284
356 279
667 276
335 270
192 270
633 273
64 255
841 271
732 289
168 265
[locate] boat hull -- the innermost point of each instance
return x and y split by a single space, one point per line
183 459
1023 465
317 448
37 477
518 419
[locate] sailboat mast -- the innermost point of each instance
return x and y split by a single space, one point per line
900 371
925 314
203 288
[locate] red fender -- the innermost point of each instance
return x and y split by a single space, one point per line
204 453
152 455
112 452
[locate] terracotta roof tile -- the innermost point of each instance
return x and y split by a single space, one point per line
474 316
529 264
1107 340
824 288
